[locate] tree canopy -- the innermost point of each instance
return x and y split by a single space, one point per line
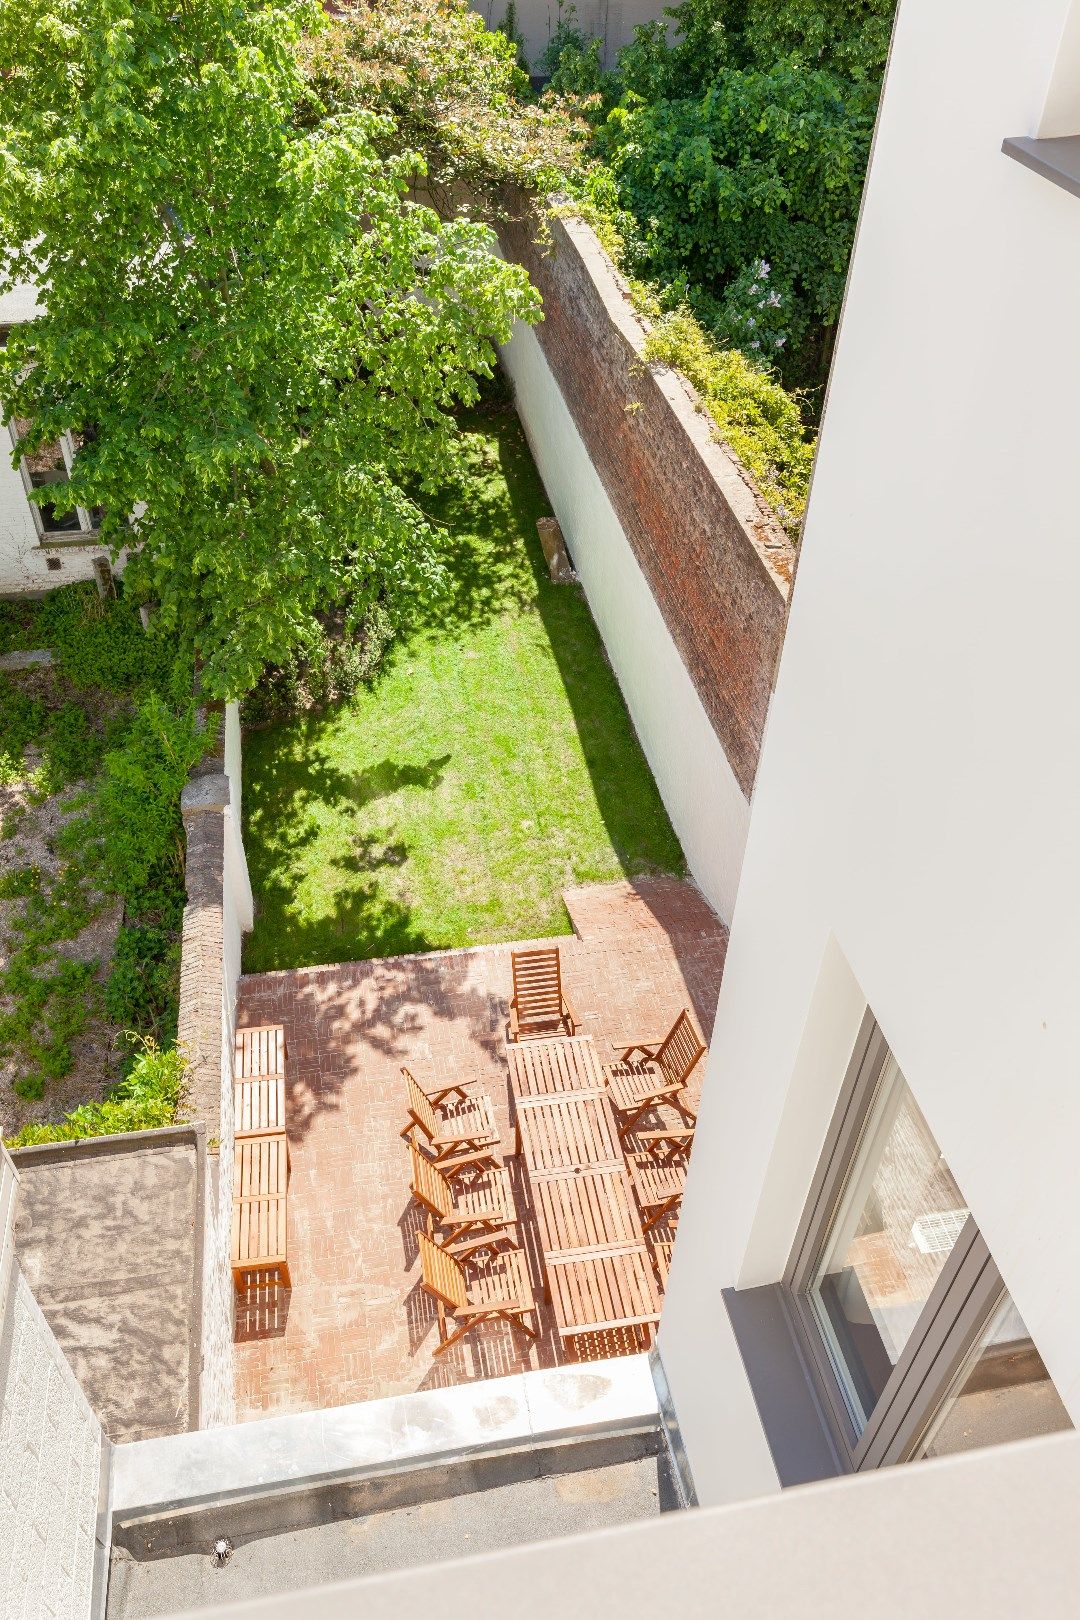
256 338
736 143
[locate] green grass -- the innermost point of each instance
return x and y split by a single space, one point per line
489 765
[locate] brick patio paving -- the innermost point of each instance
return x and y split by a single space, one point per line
356 1324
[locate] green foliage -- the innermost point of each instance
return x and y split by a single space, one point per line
257 338
140 992
510 31
753 413
849 37
121 837
571 59
146 1099
456 93
764 168
327 667
21 721
139 806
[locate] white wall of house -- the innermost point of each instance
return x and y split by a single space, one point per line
24 563
913 843
50 1453
707 806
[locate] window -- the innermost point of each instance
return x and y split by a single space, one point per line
51 464
1003 1392
901 1312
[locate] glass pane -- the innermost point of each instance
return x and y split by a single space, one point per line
1004 1392
900 1215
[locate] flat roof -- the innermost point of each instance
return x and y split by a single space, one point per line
108 1233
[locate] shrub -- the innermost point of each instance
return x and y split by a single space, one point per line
141 990
753 413
139 806
326 668
146 1099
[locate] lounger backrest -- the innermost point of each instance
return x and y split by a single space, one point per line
443 1275
681 1050
429 1184
259 1051
537 986
420 1106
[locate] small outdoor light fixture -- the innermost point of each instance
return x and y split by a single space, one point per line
223 1551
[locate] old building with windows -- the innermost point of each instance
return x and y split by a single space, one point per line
39 548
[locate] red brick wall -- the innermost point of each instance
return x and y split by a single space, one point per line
717 562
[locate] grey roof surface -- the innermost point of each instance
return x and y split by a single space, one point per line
109 1236
464 1522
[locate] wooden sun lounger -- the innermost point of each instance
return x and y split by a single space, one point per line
468 1195
259 1051
261 1166
469 1124
500 1290
539 1005
636 1085
260 1224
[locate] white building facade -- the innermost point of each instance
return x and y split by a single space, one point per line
879 1214
38 548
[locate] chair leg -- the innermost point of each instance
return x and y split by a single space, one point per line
661 1210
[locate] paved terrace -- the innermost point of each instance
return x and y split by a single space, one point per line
357 1325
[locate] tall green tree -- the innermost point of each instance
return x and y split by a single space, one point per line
256 337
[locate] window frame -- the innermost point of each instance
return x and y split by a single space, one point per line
956 1311
48 539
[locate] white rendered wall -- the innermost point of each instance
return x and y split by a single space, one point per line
914 834
705 802
217 1388
50 1454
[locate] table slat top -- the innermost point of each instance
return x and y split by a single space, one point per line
564 1063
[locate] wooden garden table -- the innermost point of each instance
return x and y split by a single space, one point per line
596 1262
569 1063
565 1132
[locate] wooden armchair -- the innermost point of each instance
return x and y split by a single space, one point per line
539 1006
659 1075
499 1289
468 1126
468 1194
659 1176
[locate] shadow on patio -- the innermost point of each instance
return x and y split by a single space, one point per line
357 1325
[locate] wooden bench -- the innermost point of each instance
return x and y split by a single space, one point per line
260 1224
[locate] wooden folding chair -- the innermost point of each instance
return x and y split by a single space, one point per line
498 1290
539 1006
469 1125
468 1194
658 1182
659 1075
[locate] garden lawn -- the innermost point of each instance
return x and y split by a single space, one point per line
489 765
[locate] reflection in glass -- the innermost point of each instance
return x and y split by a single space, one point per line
1003 1393
897 1223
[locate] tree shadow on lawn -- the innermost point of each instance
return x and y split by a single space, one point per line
280 827
496 563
